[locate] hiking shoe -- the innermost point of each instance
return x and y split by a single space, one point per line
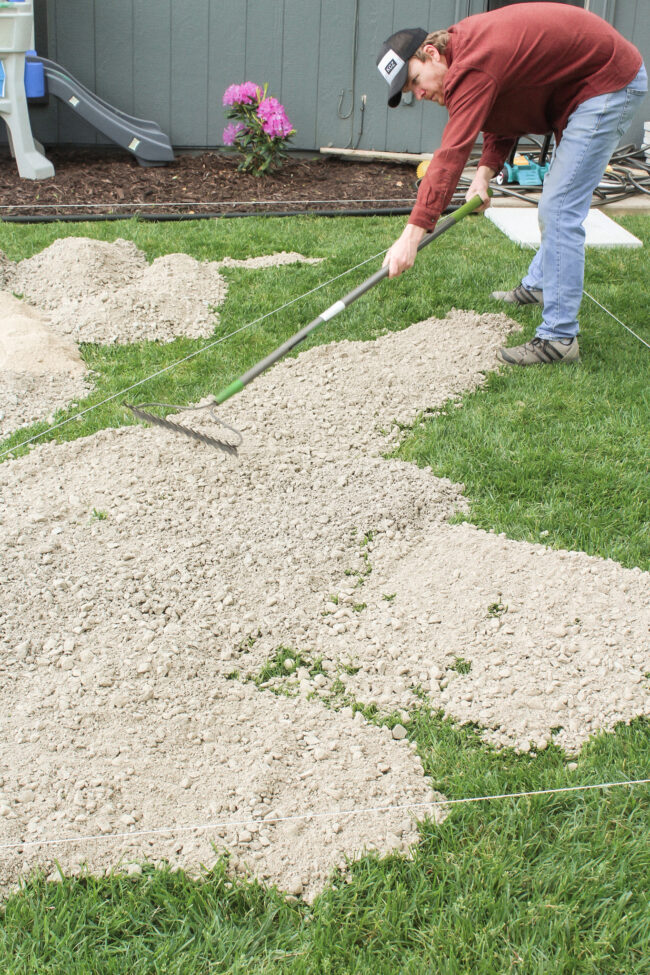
520 296
539 351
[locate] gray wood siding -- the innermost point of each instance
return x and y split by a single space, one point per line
188 71
152 44
632 18
114 64
172 61
74 43
300 67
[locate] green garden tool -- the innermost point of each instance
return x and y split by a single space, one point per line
232 439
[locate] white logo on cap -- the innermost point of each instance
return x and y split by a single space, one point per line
389 64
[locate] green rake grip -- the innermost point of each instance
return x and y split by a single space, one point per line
338 306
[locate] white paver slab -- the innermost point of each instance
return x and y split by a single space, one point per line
521 226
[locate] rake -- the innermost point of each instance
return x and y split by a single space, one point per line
231 439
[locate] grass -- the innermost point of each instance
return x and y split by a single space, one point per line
545 884
562 451
562 455
541 884
278 674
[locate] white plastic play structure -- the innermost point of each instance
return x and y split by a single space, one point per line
16 37
142 138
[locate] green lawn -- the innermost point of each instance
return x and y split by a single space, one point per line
540 885
545 884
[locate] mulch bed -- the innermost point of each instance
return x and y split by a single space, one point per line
111 183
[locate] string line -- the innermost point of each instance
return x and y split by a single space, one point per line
191 355
211 345
617 319
329 814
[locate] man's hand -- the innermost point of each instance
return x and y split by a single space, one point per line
401 256
479 185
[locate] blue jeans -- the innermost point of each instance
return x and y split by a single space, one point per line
592 134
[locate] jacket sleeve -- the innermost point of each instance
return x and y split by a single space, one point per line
496 149
469 104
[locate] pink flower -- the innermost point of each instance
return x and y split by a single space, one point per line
231 132
258 127
274 118
244 94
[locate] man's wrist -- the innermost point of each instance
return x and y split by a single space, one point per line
413 233
486 173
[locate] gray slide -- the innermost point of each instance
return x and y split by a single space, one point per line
143 138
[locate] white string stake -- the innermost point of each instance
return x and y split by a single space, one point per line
617 319
172 365
330 814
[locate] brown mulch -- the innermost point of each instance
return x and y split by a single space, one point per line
107 182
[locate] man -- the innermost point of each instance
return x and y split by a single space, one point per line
527 68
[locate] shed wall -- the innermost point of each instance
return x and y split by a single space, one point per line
171 62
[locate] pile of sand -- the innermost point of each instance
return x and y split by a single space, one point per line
148 581
40 370
84 290
109 293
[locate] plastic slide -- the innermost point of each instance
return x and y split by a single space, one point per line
143 138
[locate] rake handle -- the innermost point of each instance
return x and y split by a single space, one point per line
339 306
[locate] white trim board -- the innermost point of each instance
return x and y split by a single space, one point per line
520 225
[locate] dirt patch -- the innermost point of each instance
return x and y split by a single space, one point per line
155 588
109 293
27 343
265 771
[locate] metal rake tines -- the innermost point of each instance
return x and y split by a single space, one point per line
229 448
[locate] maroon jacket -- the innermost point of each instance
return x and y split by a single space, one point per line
518 70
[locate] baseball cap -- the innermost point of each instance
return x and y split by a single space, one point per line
393 58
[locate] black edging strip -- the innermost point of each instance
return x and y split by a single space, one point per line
173 217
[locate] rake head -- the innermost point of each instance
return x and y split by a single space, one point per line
229 445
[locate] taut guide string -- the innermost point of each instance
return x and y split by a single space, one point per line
330 814
616 319
230 335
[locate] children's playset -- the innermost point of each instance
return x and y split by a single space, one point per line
24 75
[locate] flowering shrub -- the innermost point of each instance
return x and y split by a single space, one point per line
260 129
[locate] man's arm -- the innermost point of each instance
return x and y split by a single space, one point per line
469 106
496 149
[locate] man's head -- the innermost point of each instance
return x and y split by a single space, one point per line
412 60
